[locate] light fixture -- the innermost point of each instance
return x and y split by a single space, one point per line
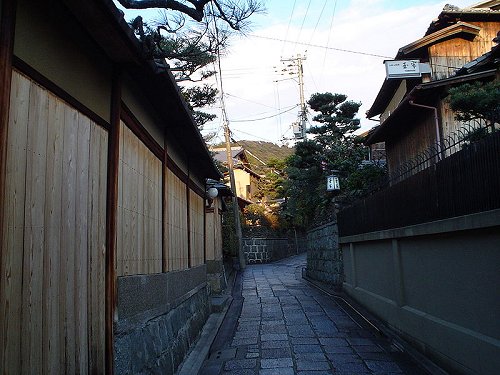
333 182
211 194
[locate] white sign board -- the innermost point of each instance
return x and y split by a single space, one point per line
332 183
402 68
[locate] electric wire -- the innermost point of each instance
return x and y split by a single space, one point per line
301 26
328 40
320 46
250 101
268 117
317 22
253 135
288 27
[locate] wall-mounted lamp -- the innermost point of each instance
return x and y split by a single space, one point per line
211 194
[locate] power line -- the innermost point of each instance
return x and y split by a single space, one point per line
301 26
250 101
329 36
265 118
317 22
288 27
325 47
253 135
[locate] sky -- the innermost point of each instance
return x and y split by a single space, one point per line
344 42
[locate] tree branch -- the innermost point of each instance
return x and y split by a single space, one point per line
195 13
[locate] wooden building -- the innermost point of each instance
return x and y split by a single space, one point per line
104 231
422 254
414 115
246 179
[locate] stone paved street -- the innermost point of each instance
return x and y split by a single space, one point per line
283 325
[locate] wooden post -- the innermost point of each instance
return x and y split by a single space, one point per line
7 31
164 208
111 216
188 204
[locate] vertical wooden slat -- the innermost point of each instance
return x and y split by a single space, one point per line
68 235
100 276
13 233
82 243
164 209
93 253
111 217
134 250
52 256
34 235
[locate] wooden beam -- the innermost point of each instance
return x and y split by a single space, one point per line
7 31
111 216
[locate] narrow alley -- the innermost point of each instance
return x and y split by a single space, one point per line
280 324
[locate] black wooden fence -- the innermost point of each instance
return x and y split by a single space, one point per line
465 182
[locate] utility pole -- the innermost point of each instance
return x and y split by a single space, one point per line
227 135
295 64
236 211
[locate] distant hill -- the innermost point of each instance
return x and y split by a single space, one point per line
265 151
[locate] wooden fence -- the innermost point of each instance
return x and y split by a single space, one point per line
464 183
52 285
196 229
176 222
52 288
139 245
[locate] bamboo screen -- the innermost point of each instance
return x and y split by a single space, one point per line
196 228
52 285
177 229
139 242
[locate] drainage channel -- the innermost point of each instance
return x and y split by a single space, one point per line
396 343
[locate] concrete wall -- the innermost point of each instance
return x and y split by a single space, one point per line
324 257
436 284
159 318
265 250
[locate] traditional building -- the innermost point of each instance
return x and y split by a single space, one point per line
415 117
246 179
422 254
105 229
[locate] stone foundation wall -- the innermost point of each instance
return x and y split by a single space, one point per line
159 319
216 276
324 257
265 250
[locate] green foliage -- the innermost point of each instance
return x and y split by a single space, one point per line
476 101
229 239
333 147
270 187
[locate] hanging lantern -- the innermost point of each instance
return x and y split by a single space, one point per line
333 182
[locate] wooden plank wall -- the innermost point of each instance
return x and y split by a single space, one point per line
218 230
196 228
139 237
53 309
449 55
210 232
176 223
419 135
